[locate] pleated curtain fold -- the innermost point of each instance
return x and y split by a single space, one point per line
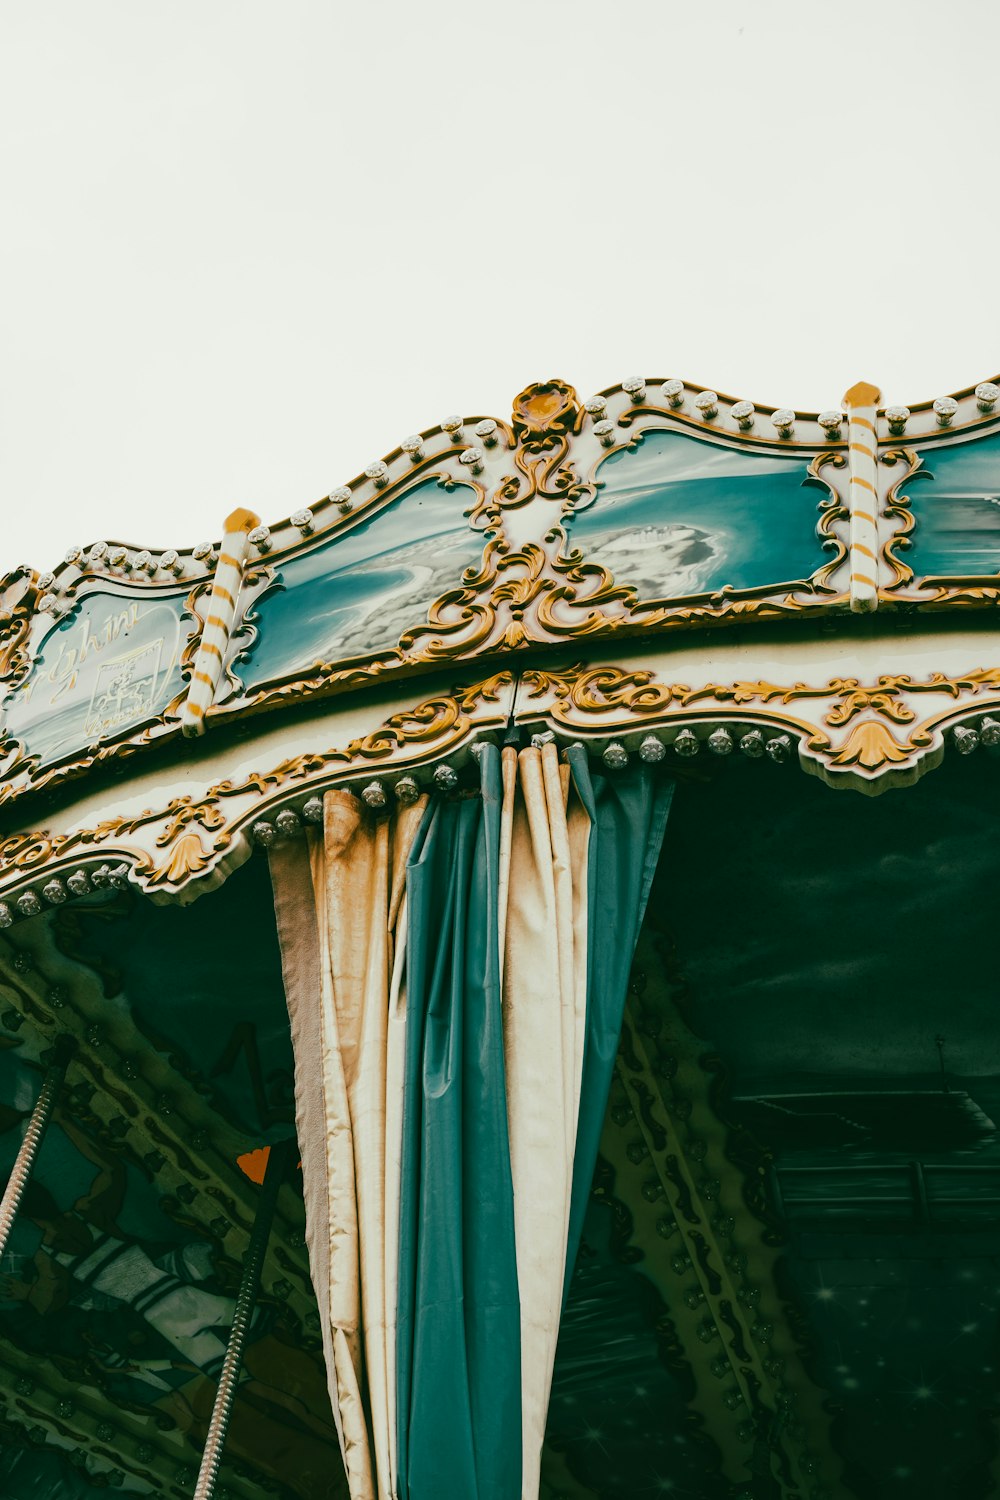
339 901
455 975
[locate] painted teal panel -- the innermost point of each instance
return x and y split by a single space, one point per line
957 510
678 516
110 665
359 593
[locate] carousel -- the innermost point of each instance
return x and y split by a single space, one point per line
448 1048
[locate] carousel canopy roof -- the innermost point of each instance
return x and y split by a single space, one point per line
651 508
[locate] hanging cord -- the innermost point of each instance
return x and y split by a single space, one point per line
34 1135
246 1298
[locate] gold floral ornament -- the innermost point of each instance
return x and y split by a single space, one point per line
193 836
873 745
187 857
546 410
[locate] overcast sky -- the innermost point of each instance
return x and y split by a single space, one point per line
246 247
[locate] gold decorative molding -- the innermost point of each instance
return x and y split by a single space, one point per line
200 837
545 591
18 602
896 507
845 729
866 734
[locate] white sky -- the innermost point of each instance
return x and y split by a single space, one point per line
246 247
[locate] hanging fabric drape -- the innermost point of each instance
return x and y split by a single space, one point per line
628 817
455 1025
543 878
339 903
459 1348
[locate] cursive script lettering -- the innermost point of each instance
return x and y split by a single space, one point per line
64 672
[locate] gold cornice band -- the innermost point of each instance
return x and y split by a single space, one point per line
868 735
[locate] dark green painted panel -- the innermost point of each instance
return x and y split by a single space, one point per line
957 510
678 516
357 594
110 665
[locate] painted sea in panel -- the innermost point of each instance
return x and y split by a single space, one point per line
957 511
678 516
360 592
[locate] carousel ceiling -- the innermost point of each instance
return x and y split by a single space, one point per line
117 1287
790 1281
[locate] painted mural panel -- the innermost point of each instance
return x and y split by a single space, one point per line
112 663
677 517
356 595
957 510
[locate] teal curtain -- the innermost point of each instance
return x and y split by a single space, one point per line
458 1349
628 815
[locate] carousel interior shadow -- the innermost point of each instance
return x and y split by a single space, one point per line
789 1280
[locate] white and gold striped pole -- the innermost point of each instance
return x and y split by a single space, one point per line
862 402
211 654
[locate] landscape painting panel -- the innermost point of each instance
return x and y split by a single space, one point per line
357 594
678 517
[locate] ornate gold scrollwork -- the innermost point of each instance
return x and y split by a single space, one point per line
540 592
18 601
543 591
595 689
196 831
897 508
544 416
616 700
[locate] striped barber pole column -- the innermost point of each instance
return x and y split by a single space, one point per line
862 402
211 654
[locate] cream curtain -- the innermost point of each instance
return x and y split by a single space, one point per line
341 912
340 907
543 906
